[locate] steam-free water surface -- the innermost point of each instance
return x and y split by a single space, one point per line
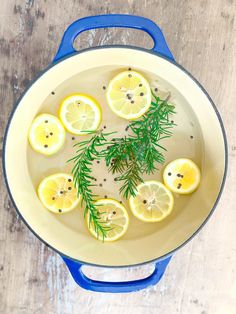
185 142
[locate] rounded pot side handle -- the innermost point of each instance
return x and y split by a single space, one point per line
112 20
83 281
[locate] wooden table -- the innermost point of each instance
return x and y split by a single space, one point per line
201 278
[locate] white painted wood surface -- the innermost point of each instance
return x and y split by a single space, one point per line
201 278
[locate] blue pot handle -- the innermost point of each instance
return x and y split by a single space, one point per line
83 281
112 20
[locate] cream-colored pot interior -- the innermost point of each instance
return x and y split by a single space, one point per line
198 135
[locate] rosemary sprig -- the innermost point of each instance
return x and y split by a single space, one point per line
149 130
88 151
128 157
140 152
130 178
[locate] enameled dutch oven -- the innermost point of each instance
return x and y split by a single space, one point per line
199 135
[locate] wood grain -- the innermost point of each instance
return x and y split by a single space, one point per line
201 277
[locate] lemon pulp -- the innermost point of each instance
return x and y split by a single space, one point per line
46 134
182 176
114 216
153 202
80 113
129 95
58 194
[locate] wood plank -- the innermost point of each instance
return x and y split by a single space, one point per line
201 276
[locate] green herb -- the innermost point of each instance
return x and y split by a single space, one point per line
128 157
121 158
140 152
88 151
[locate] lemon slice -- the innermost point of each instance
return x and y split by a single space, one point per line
46 134
80 113
182 176
153 202
114 216
58 194
129 95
